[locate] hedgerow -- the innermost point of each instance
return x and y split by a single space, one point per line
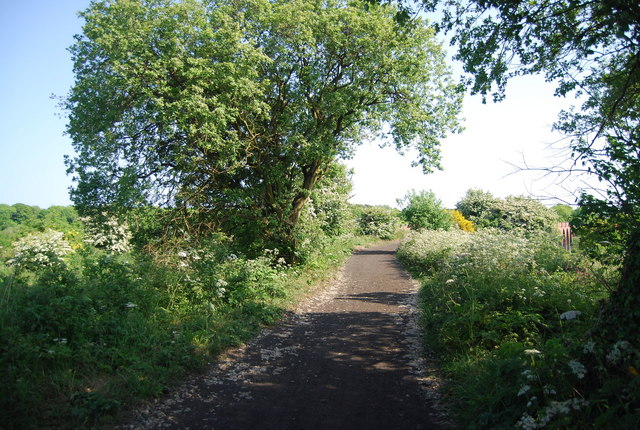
510 315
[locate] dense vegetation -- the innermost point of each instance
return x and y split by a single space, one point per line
94 317
589 50
511 314
240 109
207 138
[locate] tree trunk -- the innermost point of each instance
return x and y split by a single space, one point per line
311 174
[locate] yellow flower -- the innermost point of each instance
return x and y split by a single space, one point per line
633 371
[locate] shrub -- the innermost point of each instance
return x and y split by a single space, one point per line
109 233
510 315
461 222
521 213
40 251
378 221
424 210
477 206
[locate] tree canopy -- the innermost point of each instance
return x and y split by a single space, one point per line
238 109
423 210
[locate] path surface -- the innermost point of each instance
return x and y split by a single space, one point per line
348 358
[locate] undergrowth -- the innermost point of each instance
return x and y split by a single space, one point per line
98 331
511 316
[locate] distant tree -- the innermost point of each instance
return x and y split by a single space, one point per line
5 216
378 221
565 212
60 218
477 206
239 109
24 214
423 210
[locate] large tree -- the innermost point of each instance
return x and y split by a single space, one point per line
237 109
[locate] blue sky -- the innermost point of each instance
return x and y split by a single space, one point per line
35 35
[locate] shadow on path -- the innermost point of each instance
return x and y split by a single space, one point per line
347 362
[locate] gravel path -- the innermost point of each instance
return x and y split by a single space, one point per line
348 358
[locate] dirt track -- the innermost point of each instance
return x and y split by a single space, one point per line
347 359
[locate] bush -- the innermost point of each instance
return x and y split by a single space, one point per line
461 222
424 210
521 213
510 315
378 221
477 207
40 251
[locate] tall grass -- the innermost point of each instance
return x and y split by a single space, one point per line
105 330
510 316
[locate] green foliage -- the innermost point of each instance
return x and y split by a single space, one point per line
6 220
590 50
424 210
508 214
330 202
510 316
565 212
477 206
378 221
600 231
84 334
242 108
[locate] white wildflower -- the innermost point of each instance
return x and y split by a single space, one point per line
221 292
570 315
182 254
449 281
531 401
60 340
577 369
619 352
532 352
527 422
40 250
108 233
549 390
564 408
524 390
221 283
589 347
528 374
130 305
232 257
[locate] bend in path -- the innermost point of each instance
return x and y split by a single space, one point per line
349 358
